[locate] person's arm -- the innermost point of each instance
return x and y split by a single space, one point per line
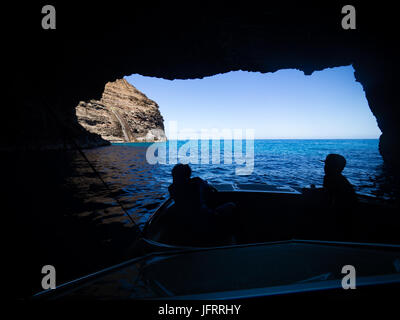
351 193
202 188
171 191
212 188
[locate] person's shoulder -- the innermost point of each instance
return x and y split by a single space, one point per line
171 188
344 179
348 186
197 180
337 178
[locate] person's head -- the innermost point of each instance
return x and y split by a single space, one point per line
334 163
181 173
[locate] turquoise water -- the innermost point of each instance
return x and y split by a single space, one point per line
142 186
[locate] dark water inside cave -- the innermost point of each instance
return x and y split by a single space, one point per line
70 220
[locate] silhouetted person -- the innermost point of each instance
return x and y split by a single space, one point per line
187 192
195 220
337 200
340 191
341 196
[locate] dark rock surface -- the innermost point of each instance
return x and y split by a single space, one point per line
100 43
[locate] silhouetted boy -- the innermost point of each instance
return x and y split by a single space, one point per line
340 191
337 198
198 223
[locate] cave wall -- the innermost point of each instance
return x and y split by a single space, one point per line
52 70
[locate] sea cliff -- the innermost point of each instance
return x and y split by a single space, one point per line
123 114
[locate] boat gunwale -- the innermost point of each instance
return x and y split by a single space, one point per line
171 250
183 250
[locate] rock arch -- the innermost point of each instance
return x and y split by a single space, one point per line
96 44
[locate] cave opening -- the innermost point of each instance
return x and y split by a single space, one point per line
296 120
287 104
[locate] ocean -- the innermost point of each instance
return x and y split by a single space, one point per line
142 186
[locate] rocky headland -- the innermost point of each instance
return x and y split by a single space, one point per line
123 114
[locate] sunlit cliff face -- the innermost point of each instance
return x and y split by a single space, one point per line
123 114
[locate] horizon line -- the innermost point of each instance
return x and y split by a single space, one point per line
245 139
281 139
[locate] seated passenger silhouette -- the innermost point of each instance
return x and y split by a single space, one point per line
194 220
337 199
340 191
187 192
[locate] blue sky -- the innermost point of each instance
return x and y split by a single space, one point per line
285 104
